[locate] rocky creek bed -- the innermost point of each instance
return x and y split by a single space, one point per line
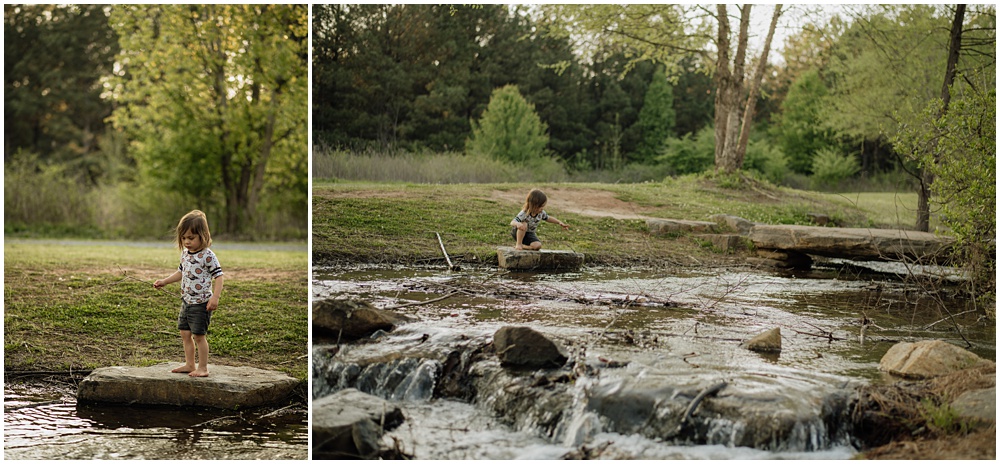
649 364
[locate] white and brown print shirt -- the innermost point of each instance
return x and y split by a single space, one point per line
532 221
197 271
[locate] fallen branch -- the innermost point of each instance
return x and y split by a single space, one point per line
710 391
451 267
417 303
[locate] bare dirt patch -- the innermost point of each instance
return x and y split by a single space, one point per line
587 202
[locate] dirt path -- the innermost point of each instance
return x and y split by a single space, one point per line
587 202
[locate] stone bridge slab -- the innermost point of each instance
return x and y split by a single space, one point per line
852 243
525 260
226 387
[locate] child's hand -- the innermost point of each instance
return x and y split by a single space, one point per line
522 226
564 225
158 284
213 303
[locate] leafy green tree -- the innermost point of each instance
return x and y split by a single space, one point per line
799 128
959 149
830 167
55 57
509 129
213 98
657 117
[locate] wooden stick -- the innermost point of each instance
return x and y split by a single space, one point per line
451 267
415 303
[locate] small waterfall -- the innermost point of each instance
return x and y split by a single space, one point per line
404 379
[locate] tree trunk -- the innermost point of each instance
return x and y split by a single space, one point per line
748 114
722 77
927 175
729 95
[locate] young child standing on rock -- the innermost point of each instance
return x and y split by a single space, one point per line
201 280
526 222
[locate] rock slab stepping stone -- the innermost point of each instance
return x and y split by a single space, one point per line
349 424
851 243
526 260
226 387
926 359
679 226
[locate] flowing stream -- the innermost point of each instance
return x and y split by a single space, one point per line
643 344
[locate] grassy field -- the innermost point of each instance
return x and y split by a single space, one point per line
82 306
396 222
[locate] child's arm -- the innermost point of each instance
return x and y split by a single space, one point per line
176 276
517 224
217 285
556 221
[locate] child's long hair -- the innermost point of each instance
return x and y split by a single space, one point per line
197 223
534 202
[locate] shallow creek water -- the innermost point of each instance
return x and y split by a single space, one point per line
42 420
836 323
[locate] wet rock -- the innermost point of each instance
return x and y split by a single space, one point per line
226 387
767 342
525 347
781 259
352 320
864 244
977 408
925 359
678 226
517 401
724 243
524 260
349 424
740 225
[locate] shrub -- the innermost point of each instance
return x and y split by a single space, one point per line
691 154
830 167
509 129
768 160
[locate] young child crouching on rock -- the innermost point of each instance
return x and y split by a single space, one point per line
526 222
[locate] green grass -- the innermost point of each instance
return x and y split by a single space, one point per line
396 222
88 306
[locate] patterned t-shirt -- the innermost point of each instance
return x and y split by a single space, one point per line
532 221
197 271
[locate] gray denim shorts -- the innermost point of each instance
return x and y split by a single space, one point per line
529 237
194 317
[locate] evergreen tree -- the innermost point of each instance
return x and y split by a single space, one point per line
657 117
510 129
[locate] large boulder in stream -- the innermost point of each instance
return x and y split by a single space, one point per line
525 347
352 320
926 359
226 387
349 424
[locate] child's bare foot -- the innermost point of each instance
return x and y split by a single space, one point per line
199 373
519 247
183 369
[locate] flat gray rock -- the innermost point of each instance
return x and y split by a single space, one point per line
849 243
526 260
679 226
226 387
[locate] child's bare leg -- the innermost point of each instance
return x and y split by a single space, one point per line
535 246
188 353
519 245
202 342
